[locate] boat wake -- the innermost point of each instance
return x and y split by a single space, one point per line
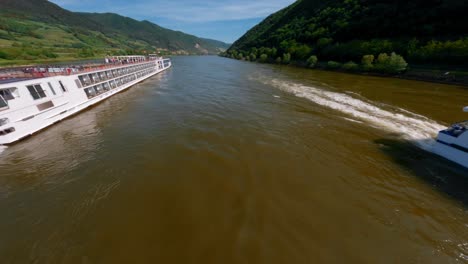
412 127
2 149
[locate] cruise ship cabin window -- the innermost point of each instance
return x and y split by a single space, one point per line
90 92
3 103
77 82
62 86
36 91
7 94
84 79
52 89
96 77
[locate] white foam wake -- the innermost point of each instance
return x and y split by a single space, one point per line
2 148
410 126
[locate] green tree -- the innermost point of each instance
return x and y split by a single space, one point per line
397 63
382 58
333 65
263 58
273 52
350 66
367 61
286 58
253 57
390 64
312 61
3 55
323 42
254 51
302 52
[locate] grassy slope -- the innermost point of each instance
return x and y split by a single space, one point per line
151 33
37 30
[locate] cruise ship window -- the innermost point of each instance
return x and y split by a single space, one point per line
90 92
62 86
96 77
52 89
84 79
3 102
36 91
6 94
77 82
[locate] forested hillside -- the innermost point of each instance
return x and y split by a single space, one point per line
40 30
421 31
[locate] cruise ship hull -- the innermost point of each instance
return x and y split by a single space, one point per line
24 122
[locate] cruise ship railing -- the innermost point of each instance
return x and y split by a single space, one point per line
43 72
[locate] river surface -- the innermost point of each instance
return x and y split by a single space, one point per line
223 161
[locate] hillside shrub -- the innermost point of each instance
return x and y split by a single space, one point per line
323 42
278 60
442 51
286 58
366 62
302 51
85 53
263 58
49 54
333 65
350 66
312 61
392 64
3 55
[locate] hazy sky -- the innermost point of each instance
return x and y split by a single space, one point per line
224 20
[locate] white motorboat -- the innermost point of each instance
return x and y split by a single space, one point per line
452 143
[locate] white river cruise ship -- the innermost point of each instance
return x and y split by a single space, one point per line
32 99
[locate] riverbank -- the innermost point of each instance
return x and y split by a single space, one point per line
429 73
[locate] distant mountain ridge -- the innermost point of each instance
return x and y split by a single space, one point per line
47 26
152 33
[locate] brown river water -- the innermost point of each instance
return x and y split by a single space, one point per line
222 161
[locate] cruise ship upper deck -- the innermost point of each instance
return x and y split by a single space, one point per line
21 73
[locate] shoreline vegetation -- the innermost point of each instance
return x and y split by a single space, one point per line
385 65
414 39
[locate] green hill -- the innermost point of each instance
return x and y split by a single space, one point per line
156 35
38 30
422 31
